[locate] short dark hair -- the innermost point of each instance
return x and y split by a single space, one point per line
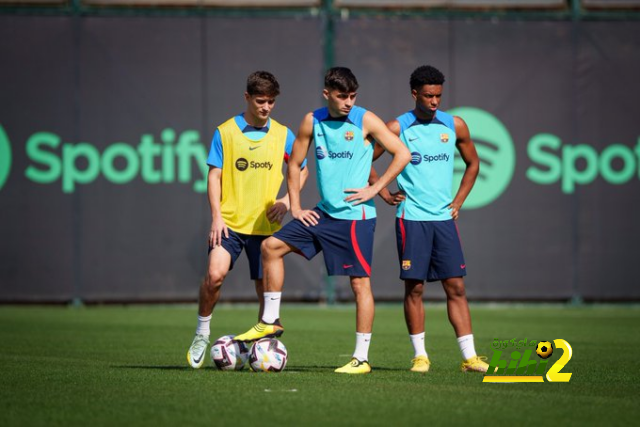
340 78
425 75
263 83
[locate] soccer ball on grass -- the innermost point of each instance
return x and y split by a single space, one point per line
229 355
268 355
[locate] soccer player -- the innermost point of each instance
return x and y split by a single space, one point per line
245 175
342 224
427 236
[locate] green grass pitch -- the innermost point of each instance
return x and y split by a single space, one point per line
126 366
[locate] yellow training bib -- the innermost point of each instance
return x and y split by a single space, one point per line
251 177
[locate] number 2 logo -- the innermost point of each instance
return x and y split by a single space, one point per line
554 374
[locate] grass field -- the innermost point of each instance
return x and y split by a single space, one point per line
107 366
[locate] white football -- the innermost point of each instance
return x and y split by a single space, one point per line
268 355
229 355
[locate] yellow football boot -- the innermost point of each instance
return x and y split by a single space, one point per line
355 367
475 364
262 330
420 364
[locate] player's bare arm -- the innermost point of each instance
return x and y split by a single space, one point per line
467 151
390 198
378 151
282 205
214 192
294 172
375 128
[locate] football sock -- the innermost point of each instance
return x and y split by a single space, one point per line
271 307
362 346
417 341
203 326
467 347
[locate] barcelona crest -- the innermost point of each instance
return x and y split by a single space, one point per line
406 264
444 137
348 135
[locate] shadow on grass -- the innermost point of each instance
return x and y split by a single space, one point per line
311 368
301 369
158 367
332 368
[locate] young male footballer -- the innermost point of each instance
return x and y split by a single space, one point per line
343 223
245 175
427 236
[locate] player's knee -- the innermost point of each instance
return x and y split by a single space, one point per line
214 280
455 288
265 247
360 286
414 290
271 247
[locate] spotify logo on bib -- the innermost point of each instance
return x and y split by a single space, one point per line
5 157
497 157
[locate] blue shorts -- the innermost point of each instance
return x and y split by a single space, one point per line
251 244
429 250
347 245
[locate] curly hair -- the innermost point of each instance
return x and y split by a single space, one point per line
342 79
263 83
425 75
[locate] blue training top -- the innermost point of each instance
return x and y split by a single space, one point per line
343 160
427 180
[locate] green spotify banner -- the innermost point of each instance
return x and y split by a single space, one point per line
106 123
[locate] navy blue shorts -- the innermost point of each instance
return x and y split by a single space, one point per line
236 242
429 250
347 245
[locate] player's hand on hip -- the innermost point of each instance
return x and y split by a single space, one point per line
277 211
307 217
218 229
455 211
360 195
394 199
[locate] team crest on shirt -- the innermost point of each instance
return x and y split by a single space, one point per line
406 264
348 135
444 138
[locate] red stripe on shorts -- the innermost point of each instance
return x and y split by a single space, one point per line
402 233
356 249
